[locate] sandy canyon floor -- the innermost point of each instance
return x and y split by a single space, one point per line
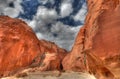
52 75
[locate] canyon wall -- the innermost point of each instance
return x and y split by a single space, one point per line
97 46
20 49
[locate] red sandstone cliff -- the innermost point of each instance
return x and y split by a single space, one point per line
97 46
20 48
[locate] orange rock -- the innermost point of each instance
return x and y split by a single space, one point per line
20 48
18 45
51 56
97 48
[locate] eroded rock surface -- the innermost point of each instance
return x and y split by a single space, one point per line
18 45
97 46
20 49
51 56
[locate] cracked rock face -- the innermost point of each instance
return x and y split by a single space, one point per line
97 46
20 49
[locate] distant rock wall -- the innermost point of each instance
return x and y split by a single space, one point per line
97 46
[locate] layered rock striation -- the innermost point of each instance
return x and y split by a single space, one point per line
97 46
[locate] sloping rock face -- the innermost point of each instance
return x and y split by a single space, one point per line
18 45
50 58
20 48
97 46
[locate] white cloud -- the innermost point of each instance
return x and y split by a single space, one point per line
66 34
46 15
18 6
63 35
66 9
80 16
10 11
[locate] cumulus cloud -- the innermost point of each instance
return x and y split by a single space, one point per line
11 8
65 34
66 9
80 16
62 35
41 21
47 27
46 15
9 11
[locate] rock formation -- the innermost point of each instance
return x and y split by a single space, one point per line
97 46
20 48
51 56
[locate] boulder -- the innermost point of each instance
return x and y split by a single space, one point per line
97 45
